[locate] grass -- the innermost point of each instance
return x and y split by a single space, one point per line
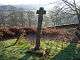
52 49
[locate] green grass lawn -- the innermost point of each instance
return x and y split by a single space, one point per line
52 50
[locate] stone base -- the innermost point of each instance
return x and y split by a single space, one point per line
38 53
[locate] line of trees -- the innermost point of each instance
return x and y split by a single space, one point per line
17 18
67 12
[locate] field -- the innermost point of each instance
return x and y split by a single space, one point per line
39 30
51 49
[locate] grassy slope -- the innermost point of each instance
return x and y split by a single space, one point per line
53 50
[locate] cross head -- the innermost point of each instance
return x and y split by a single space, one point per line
41 11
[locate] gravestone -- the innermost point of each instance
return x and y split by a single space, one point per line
40 13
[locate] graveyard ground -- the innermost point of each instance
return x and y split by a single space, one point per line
51 49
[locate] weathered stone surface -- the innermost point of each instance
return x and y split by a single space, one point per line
40 13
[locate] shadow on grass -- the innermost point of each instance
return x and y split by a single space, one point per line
32 55
69 53
26 57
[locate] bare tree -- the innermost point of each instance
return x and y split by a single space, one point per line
73 7
56 15
30 17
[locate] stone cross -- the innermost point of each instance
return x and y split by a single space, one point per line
40 13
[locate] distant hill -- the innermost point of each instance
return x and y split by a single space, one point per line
7 7
28 7
18 7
